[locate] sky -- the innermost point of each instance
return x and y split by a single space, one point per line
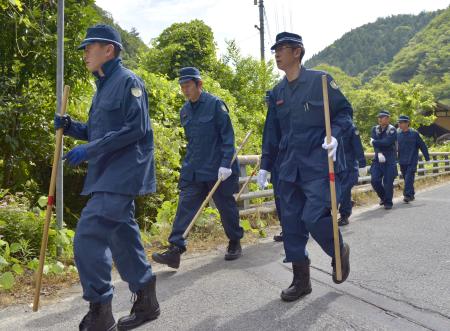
319 22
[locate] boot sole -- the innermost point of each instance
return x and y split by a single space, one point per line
171 265
232 257
289 298
150 318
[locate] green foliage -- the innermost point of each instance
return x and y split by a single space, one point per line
20 240
372 44
426 58
182 45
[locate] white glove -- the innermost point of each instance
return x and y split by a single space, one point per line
371 141
331 147
224 173
262 179
381 158
362 172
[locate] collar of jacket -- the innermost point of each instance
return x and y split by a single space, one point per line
108 68
301 79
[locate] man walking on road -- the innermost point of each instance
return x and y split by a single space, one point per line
409 143
302 155
355 165
384 167
120 160
269 149
209 152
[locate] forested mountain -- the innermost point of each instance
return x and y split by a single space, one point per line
369 47
426 58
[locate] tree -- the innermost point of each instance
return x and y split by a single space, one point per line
182 45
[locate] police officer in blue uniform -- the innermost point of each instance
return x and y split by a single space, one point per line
384 167
409 143
302 154
355 166
120 160
209 152
267 150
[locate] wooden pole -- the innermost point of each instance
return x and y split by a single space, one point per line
337 247
213 190
50 202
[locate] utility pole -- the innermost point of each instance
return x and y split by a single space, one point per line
261 26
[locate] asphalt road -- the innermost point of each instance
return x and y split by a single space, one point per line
400 280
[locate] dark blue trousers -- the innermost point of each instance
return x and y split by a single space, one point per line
409 173
306 209
348 179
107 231
274 180
192 194
382 180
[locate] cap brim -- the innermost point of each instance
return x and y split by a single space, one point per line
281 42
187 79
84 43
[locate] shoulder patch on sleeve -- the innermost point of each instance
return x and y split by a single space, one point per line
392 131
334 85
136 91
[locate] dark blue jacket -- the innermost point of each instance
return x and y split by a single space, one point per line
353 149
384 141
119 135
210 136
270 139
409 143
297 111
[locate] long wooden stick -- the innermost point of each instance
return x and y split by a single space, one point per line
337 247
50 202
248 179
213 190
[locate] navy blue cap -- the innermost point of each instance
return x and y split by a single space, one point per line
188 73
403 118
384 113
287 38
101 33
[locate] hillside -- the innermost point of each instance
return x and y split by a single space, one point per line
370 46
426 58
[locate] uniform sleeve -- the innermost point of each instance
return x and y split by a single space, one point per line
135 126
423 147
341 111
271 137
77 130
358 149
387 141
226 132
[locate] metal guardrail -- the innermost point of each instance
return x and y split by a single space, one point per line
439 165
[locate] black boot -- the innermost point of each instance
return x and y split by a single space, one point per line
234 250
381 202
343 220
145 308
301 284
171 257
407 199
278 237
98 318
345 264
